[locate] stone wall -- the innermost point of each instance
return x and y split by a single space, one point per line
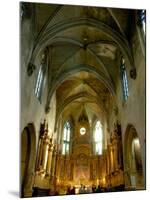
132 111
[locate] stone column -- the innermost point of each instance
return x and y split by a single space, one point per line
49 159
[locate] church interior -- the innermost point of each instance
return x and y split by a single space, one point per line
82 75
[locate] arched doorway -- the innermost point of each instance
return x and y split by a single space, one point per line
28 156
134 178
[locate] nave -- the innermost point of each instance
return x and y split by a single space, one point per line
82 99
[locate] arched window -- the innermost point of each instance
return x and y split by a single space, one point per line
66 138
98 137
39 84
40 78
124 79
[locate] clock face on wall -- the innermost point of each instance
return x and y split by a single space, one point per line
82 131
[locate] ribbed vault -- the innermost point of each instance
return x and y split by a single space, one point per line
84 45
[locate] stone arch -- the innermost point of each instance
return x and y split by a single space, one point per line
28 157
134 178
75 69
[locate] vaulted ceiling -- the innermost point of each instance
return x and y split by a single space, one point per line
84 47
